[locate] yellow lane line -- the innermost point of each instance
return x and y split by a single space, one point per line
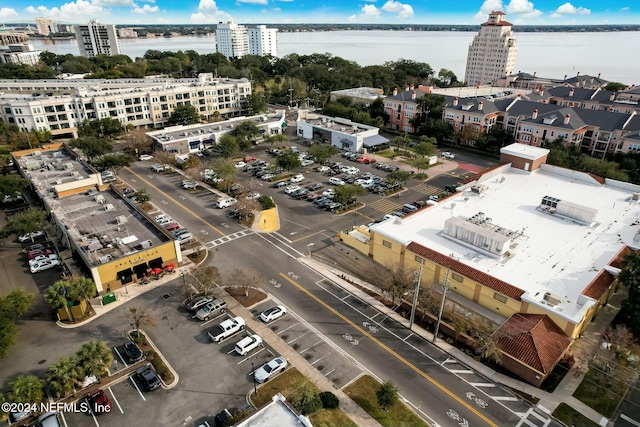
177 203
392 352
307 236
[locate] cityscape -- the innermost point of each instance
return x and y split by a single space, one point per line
245 237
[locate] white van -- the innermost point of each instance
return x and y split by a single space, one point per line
225 203
297 178
335 181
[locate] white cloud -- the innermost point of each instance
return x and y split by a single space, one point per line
75 11
145 9
285 1
625 9
208 12
7 12
112 3
519 9
371 1
253 1
487 7
569 9
402 9
198 17
370 11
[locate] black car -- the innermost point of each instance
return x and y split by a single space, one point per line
148 377
132 351
315 186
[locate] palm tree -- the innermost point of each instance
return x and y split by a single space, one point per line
491 350
94 357
63 376
27 389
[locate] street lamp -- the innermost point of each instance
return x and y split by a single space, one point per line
124 283
309 247
253 374
415 295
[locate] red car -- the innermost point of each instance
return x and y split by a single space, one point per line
36 253
366 160
248 159
99 402
172 226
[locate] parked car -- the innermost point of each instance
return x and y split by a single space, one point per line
240 164
172 226
270 369
148 377
330 192
212 308
297 178
37 247
245 345
267 176
165 220
42 258
366 160
323 169
31 236
273 313
159 167
39 252
290 189
196 304
44 265
98 402
336 181
184 238
225 203
315 186
145 157
447 155
132 351
49 419
280 184
306 162
187 184
248 159
128 191
253 195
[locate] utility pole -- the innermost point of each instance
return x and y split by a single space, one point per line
444 296
415 295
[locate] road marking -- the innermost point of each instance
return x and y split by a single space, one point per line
206 322
450 360
630 420
287 328
313 363
137 388
307 236
298 337
249 357
281 236
310 347
64 421
329 373
408 336
505 398
482 385
116 400
392 352
178 203
461 371
120 356
95 420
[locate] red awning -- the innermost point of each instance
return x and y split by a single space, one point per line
156 270
169 267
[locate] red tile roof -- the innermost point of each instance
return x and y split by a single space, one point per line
599 285
533 339
467 271
620 256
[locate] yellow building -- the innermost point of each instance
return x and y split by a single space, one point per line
110 239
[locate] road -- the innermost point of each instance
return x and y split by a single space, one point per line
437 386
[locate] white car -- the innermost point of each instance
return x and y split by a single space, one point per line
240 165
253 195
306 162
245 345
267 176
322 169
272 313
225 203
329 192
297 178
187 184
184 237
28 236
448 155
270 369
290 189
40 258
336 181
44 265
159 167
165 221
145 157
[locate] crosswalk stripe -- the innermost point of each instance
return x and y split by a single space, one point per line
228 238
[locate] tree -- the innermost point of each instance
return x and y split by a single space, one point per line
142 196
206 278
394 280
73 289
288 160
348 194
401 141
629 276
25 222
140 317
305 397
92 147
103 128
490 349
426 146
468 135
94 358
8 335
165 157
15 304
62 376
245 277
615 86
494 140
245 132
183 115
136 141
247 207
114 162
400 176
11 184
26 389
322 152
227 146
387 395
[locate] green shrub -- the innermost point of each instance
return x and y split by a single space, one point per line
160 367
266 202
329 400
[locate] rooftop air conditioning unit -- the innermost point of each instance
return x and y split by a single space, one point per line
121 219
636 196
99 199
109 207
552 299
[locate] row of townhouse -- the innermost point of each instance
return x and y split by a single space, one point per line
59 106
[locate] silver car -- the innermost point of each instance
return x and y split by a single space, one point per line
270 369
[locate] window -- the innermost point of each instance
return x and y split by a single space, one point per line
499 297
457 277
386 244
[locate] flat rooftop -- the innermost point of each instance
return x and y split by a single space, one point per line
547 251
337 124
371 93
277 413
102 223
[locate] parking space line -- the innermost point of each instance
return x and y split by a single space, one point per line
233 350
342 299
298 337
316 361
329 373
461 371
95 420
120 356
408 336
313 345
249 357
206 322
483 384
137 388
64 420
113 396
374 316
295 324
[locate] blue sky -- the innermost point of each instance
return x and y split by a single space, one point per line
547 12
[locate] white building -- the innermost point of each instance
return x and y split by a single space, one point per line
232 40
492 54
19 54
263 41
45 26
127 33
60 106
97 39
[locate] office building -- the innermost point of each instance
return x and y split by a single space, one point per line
45 26
492 54
19 54
97 39
263 41
232 40
66 28
127 33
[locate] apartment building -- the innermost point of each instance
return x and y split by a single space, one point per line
522 80
402 107
59 106
13 37
263 41
19 54
492 54
97 39
358 95
45 26
66 28
544 260
127 33
232 40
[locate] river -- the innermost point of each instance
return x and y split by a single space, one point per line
613 54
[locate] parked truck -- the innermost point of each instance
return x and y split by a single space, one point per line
226 329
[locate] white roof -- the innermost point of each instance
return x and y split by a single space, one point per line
524 151
277 413
549 252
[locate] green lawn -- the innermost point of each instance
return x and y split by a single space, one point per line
363 392
571 417
600 392
283 384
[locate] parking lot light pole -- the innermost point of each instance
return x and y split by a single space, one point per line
124 283
255 389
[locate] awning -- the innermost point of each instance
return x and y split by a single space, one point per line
372 141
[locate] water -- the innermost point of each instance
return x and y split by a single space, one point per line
549 54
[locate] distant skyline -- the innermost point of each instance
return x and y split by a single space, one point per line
519 12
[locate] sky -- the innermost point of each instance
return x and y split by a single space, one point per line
470 12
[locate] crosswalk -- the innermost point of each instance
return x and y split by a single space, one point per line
385 205
228 238
430 190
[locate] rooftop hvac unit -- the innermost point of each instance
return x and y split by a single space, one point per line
36 153
57 154
109 207
636 196
121 219
99 199
92 191
552 299
68 166
478 189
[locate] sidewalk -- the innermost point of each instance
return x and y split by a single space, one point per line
548 401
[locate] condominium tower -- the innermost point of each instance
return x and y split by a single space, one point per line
45 26
263 41
236 41
492 54
97 39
